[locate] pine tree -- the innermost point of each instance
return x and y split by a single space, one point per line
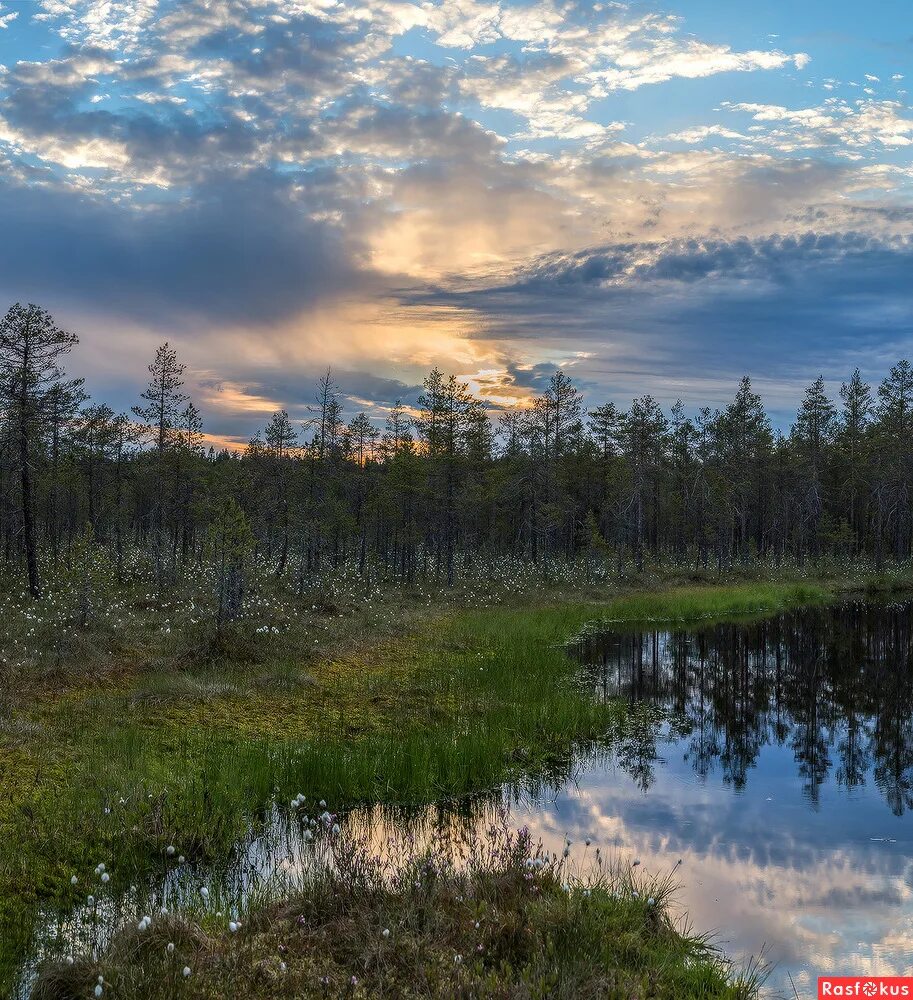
31 379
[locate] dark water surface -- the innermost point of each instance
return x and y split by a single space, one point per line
774 758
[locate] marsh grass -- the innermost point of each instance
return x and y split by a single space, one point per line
488 914
409 707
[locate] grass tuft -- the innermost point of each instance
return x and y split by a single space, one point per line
488 915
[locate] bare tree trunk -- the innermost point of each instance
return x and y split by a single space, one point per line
28 507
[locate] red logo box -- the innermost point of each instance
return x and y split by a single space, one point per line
865 987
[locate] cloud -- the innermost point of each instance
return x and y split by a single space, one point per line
862 124
687 318
177 260
393 185
689 60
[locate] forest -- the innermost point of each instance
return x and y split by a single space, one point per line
441 486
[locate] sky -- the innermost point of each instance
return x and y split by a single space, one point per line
655 197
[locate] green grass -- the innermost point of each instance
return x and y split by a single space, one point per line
465 701
693 603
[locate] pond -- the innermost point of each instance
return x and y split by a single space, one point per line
768 763
776 759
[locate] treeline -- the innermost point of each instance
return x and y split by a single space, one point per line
441 484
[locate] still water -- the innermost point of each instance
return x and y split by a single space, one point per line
774 758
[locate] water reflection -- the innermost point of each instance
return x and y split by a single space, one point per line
834 685
776 758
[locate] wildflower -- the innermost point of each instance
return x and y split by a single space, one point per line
204 892
105 877
458 959
170 851
186 971
354 980
651 901
233 926
170 947
386 932
335 829
99 990
74 880
90 900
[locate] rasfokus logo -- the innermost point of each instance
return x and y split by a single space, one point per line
865 986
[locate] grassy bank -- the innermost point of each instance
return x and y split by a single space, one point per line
487 916
188 750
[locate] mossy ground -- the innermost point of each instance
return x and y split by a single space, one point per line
189 749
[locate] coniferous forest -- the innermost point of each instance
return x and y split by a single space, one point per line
443 484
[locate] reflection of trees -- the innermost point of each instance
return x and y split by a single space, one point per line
835 685
635 745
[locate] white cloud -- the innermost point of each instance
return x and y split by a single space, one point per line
701 132
864 124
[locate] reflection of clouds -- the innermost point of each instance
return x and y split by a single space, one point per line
832 904
843 906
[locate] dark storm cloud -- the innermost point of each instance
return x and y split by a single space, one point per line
734 305
243 251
